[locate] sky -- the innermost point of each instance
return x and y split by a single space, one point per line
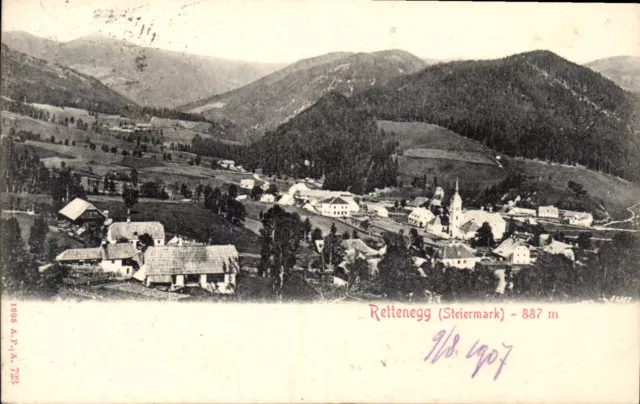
284 31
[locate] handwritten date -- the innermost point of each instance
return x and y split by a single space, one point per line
482 354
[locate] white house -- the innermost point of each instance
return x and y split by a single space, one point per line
131 232
548 211
420 217
378 209
578 218
334 207
212 267
298 187
120 259
497 223
514 252
247 183
268 198
457 255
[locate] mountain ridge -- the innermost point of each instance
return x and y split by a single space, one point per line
150 76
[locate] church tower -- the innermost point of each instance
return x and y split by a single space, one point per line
455 213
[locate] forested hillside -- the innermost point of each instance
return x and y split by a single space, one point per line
535 105
25 78
330 139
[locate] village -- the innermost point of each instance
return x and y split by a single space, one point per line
494 240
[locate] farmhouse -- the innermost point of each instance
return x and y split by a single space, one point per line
334 207
378 209
212 267
268 198
131 232
355 246
420 217
80 212
497 223
514 252
298 187
247 183
457 255
548 211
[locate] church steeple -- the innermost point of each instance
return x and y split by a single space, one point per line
457 189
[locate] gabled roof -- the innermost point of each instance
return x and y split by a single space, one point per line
171 260
336 200
556 247
422 213
76 208
80 254
456 251
469 226
133 230
359 246
505 249
118 251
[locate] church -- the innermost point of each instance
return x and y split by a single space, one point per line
463 224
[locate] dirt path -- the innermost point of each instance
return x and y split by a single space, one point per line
630 219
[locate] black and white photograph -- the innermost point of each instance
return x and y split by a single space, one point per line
257 152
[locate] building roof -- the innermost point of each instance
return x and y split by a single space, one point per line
212 259
76 208
118 251
506 248
456 251
556 247
469 226
359 246
421 213
133 230
336 200
80 254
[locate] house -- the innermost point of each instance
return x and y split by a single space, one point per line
121 259
334 207
438 225
80 256
247 183
178 241
229 164
287 200
80 212
241 198
578 218
469 229
378 209
548 211
558 247
268 198
212 267
513 251
131 232
515 211
420 217
457 255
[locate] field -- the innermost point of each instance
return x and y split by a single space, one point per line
466 156
423 135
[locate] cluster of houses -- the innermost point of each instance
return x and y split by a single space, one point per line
137 250
583 219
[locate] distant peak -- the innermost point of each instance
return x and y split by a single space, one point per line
95 36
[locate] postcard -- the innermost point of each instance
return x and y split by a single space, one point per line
319 201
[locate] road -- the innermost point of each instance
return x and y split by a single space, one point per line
630 219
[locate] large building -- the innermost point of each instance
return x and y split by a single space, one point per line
130 232
211 267
334 207
548 211
121 259
578 218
